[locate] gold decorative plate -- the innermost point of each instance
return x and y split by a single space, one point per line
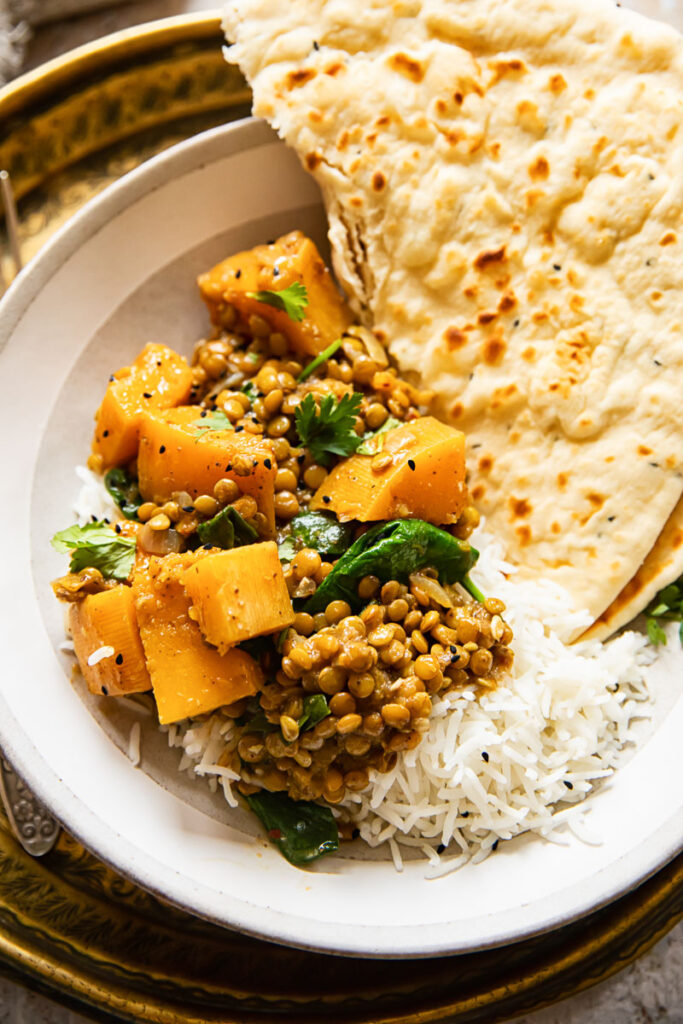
71 926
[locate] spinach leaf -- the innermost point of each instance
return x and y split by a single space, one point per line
315 709
124 491
226 530
392 551
667 606
302 831
321 531
96 546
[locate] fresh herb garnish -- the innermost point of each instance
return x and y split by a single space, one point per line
286 549
215 420
392 551
328 429
321 531
124 490
321 358
315 709
302 831
373 441
291 300
227 529
250 390
96 546
667 606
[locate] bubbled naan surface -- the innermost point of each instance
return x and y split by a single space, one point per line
504 186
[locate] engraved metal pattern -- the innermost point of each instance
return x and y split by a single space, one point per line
33 825
68 923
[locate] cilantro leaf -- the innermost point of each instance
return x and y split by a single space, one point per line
124 490
373 441
227 529
291 300
286 550
666 606
96 546
250 390
215 420
330 428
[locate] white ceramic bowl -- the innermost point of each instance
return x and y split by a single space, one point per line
122 273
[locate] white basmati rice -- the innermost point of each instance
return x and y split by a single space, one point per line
517 759
100 654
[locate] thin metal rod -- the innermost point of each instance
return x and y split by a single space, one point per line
11 219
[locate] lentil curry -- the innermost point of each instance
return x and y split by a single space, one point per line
292 548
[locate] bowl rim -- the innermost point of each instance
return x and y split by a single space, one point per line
364 940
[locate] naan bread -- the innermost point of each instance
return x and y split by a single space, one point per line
663 565
504 187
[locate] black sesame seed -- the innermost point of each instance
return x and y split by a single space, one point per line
276 271
515 323
106 520
228 468
93 517
238 429
271 241
105 433
327 499
188 508
556 266
656 362
105 691
146 394
316 45
203 413
569 785
610 519
485 756
238 272
495 845
267 463
117 528
301 459
111 377
440 848
655 464
162 449
119 659
411 464
207 547
465 814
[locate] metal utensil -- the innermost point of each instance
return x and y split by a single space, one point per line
31 822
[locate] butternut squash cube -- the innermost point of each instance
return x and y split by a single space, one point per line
158 378
177 454
274 267
425 479
239 594
188 677
108 620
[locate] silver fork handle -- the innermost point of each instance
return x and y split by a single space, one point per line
31 822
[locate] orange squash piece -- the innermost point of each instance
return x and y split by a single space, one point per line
158 378
177 455
239 594
274 267
188 676
108 619
425 479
